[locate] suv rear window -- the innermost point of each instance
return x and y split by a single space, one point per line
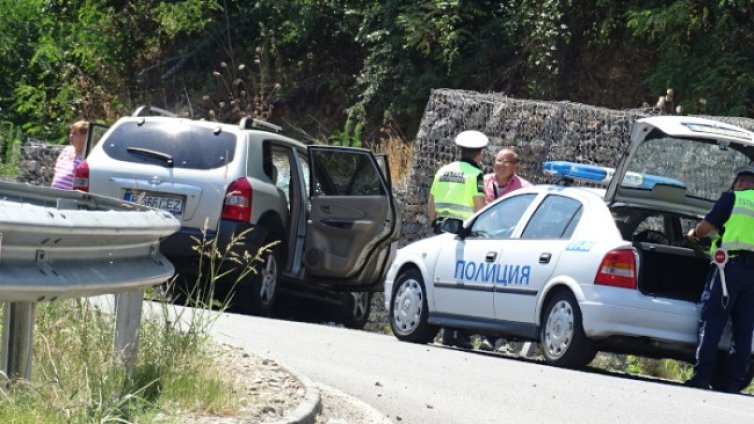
171 143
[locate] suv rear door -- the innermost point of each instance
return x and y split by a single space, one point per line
352 218
93 136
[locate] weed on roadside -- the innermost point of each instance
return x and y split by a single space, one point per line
76 377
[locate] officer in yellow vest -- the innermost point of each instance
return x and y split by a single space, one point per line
732 217
458 188
457 192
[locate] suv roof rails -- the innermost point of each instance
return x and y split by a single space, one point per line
253 123
147 110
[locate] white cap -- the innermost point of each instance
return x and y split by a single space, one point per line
471 139
747 169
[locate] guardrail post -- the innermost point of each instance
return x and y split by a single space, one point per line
18 330
127 322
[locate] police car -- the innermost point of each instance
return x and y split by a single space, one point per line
578 267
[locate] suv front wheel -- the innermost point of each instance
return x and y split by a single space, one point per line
355 309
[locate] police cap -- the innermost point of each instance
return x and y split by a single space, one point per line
745 170
471 139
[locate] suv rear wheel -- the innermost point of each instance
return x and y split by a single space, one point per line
257 296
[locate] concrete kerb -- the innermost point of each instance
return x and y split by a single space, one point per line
306 412
369 414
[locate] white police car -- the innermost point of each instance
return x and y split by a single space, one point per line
581 269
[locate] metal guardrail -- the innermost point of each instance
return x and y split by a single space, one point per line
57 244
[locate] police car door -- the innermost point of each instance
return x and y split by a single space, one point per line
528 261
467 269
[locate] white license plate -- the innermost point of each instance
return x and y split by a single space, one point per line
173 205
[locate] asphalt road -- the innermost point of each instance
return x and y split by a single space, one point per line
431 384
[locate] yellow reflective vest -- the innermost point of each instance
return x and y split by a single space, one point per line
454 188
739 228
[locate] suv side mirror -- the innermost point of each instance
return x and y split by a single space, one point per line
452 225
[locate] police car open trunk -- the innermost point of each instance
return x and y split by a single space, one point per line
671 271
674 170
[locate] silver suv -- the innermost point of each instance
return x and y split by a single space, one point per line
330 208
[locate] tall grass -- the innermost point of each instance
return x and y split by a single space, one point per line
10 149
76 378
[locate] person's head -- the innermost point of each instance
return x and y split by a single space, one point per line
77 135
744 178
506 163
472 143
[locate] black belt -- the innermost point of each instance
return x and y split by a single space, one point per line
739 253
745 257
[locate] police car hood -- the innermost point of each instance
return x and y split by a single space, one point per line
679 163
425 245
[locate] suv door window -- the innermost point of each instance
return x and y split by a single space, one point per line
93 136
384 167
280 171
304 162
352 216
555 218
170 144
500 220
347 174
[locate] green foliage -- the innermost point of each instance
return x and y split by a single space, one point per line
349 136
62 61
312 63
704 52
10 149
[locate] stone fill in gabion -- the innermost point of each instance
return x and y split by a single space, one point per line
37 162
539 131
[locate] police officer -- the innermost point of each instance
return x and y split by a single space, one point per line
458 187
733 218
457 192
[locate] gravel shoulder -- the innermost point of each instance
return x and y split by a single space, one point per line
269 393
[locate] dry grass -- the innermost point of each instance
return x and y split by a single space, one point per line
400 154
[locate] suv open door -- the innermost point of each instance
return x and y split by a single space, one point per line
93 136
352 219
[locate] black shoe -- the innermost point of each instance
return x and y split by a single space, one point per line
697 383
456 338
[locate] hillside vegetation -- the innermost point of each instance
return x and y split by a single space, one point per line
334 70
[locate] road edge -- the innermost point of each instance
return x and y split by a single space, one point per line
306 412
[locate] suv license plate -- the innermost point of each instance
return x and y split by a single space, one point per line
173 205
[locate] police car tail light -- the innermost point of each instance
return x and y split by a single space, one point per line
237 204
618 269
81 177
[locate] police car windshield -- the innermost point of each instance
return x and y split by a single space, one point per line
702 166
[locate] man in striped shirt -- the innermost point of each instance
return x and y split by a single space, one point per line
70 157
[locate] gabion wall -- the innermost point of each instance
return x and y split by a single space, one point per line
37 162
539 132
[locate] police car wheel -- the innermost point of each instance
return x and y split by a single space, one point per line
562 336
409 310
355 309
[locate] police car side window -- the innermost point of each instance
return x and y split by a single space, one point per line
500 220
555 218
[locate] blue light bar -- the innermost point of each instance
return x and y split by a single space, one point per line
578 171
602 175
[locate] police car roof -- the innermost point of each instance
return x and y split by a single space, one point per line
692 126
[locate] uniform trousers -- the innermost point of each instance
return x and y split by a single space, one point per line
739 309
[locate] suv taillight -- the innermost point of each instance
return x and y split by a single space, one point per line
237 204
81 177
618 269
